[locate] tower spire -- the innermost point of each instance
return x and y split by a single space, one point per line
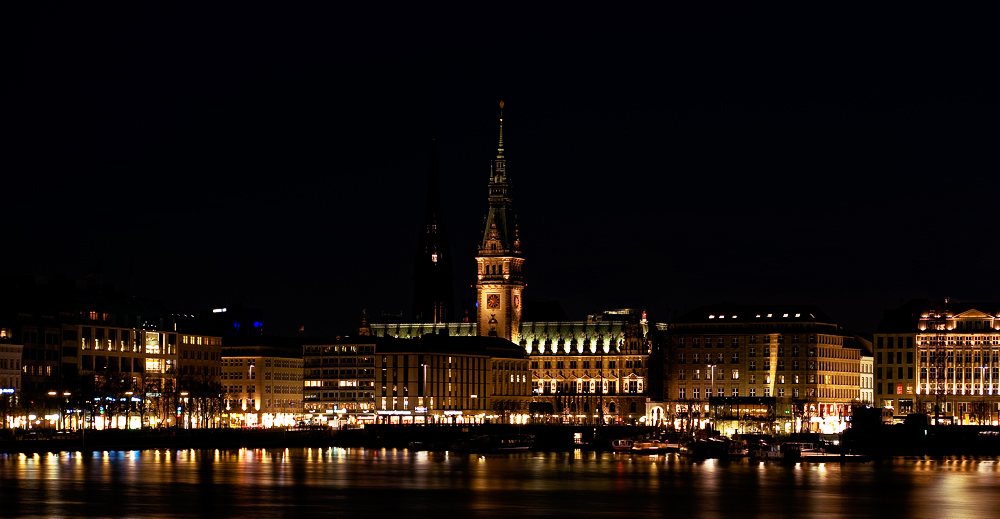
500 147
499 262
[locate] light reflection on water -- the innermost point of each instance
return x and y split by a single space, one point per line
279 482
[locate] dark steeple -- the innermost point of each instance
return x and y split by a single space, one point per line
432 272
500 236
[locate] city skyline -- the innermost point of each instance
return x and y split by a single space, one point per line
660 169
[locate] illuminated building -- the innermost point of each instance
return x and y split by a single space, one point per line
10 378
499 281
583 371
795 354
443 379
261 386
868 379
942 359
10 365
432 271
339 380
148 366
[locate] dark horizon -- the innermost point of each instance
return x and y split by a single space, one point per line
658 161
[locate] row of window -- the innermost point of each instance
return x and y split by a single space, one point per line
970 373
891 342
585 364
976 358
734 341
209 355
608 387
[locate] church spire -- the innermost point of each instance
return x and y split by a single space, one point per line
432 271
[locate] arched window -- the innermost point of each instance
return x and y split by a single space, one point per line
501 270
631 407
494 269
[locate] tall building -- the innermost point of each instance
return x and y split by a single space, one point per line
433 299
867 379
444 379
941 358
339 379
499 280
261 385
796 355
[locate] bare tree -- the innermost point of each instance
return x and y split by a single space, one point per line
979 411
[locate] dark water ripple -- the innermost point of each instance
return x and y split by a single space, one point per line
355 482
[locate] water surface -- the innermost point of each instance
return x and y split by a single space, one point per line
334 481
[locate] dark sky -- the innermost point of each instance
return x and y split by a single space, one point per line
660 159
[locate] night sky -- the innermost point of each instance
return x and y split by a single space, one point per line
659 159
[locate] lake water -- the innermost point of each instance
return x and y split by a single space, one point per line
385 483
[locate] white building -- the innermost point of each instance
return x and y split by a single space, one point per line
867 379
10 380
10 368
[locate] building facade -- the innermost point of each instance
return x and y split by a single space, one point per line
10 380
339 381
261 386
590 372
795 354
442 379
940 358
868 379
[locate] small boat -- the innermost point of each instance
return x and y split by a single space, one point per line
737 449
785 451
652 447
622 445
494 443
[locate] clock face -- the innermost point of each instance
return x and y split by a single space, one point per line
493 301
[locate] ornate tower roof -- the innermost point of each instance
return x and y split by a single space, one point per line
500 236
432 272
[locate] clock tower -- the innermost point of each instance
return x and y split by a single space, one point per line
499 282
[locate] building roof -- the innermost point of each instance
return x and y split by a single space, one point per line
732 312
261 351
467 345
906 318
